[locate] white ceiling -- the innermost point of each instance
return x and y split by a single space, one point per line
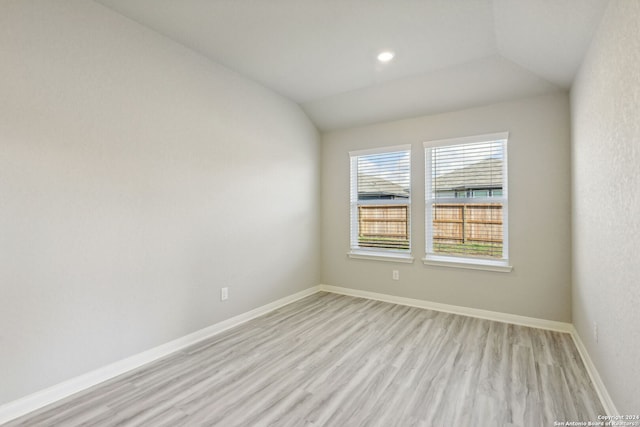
450 54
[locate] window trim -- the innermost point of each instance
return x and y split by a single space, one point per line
379 254
458 261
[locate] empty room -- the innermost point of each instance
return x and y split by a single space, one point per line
320 213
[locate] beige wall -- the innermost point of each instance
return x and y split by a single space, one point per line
539 211
136 179
605 101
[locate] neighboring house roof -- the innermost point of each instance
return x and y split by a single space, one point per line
484 174
373 186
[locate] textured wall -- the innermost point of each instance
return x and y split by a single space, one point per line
605 103
136 179
539 211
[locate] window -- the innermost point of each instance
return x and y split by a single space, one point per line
466 202
381 203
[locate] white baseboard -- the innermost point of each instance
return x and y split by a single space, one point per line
63 390
598 384
40 399
454 309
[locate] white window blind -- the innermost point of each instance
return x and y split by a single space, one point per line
466 198
381 200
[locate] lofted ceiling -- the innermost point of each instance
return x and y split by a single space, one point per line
449 54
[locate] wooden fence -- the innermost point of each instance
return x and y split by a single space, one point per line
384 226
457 227
463 223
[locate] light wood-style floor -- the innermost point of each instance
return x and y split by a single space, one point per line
332 360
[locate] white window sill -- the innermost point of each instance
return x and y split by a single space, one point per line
468 263
381 256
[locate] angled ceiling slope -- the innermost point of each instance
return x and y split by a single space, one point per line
322 54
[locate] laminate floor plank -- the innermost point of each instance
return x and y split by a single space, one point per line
525 396
334 360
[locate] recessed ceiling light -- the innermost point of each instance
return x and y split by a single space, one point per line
386 56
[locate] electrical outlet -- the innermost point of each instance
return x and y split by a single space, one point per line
224 294
595 331
396 275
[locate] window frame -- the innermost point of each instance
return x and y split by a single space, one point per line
465 261
380 254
